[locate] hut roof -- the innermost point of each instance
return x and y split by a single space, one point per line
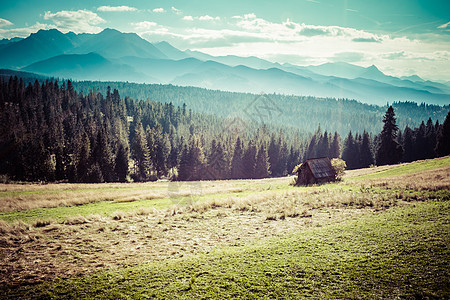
320 167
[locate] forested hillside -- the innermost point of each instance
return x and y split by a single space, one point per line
304 113
51 132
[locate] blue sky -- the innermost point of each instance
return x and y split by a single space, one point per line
401 37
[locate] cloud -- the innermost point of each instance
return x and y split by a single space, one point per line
208 18
366 40
394 55
245 17
445 26
24 31
201 18
304 44
4 23
159 10
77 21
145 25
176 10
116 8
349 57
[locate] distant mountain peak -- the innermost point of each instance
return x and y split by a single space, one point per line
46 32
110 30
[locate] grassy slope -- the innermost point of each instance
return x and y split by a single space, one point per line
403 252
409 168
400 253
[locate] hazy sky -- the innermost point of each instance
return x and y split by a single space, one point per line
401 37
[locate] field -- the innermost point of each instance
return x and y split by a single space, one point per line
380 233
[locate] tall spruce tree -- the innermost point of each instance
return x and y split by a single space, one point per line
408 145
121 164
350 152
443 138
262 163
237 171
249 161
389 151
366 156
140 154
335 150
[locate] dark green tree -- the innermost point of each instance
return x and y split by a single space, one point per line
249 161
408 145
443 138
335 149
389 151
350 152
262 166
121 164
141 155
366 156
237 171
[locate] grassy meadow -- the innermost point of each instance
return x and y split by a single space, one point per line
381 233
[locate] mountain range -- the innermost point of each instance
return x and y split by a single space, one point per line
115 56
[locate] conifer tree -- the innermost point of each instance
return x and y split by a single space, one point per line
443 138
217 164
408 145
121 164
335 150
140 154
184 168
103 156
389 151
274 155
349 153
366 156
430 137
197 159
249 161
262 167
323 146
236 161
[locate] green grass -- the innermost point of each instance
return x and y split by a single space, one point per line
107 208
79 190
402 253
409 168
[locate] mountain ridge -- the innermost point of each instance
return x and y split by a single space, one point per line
128 57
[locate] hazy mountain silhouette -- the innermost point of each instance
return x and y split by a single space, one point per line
113 55
91 66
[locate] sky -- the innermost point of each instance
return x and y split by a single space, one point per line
400 37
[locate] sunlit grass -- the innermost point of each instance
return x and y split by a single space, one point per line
411 168
402 253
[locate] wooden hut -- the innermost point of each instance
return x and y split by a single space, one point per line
315 171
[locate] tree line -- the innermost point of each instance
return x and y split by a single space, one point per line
51 132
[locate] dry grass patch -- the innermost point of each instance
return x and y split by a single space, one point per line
429 180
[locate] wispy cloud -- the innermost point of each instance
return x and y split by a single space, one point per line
367 40
24 31
176 10
349 57
145 25
299 43
445 26
201 18
4 23
159 10
77 21
116 8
